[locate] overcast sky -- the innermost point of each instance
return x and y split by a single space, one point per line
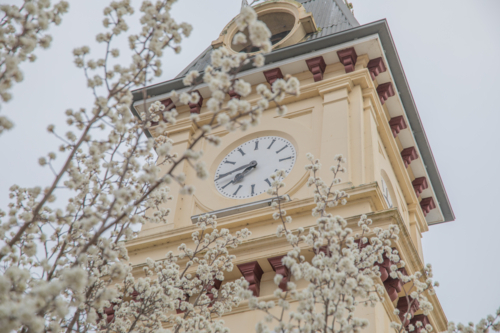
450 53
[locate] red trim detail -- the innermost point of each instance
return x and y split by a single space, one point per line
167 102
423 319
397 124
361 245
109 312
393 287
427 205
348 58
376 66
409 154
325 250
216 285
186 299
419 185
402 306
195 107
279 268
317 67
385 90
232 94
272 75
252 272
384 267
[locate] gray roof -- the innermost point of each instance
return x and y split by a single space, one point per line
331 16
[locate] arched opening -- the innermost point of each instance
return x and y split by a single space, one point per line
279 23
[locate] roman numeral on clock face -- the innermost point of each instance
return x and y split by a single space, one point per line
241 151
227 184
271 144
267 181
256 145
253 189
286 158
229 162
236 192
279 151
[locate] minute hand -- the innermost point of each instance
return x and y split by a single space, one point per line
251 164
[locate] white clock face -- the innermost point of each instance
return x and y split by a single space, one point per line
244 172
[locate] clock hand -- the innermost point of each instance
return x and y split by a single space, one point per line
239 176
251 164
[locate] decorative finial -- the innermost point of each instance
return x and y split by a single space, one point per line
244 4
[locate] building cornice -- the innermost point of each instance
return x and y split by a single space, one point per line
381 29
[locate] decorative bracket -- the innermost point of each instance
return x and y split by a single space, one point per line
186 299
166 102
215 285
348 58
384 267
376 66
385 90
252 272
427 205
317 67
109 313
397 124
409 154
281 269
360 244
394 286
421 318
419 185
233 94
272 75
402 306
195 107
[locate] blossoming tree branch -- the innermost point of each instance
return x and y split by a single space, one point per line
63 261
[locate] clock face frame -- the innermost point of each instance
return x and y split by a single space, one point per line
245 171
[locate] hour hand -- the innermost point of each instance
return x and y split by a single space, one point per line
251 164
239 176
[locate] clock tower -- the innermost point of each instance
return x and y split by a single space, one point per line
354 101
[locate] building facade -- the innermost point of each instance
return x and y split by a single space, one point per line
354 101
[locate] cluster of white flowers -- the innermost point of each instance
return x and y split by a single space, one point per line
22 30
64 261
171 284
344 271
64 265
490 322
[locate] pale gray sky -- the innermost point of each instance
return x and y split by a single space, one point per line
449 50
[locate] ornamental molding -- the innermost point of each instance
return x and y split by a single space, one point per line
281 269
317 67
397 124
252 272
376 66
272 75
348 58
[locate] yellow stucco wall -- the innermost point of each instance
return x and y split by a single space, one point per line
340 114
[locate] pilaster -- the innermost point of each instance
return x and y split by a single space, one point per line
356 139
335 127
370 141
